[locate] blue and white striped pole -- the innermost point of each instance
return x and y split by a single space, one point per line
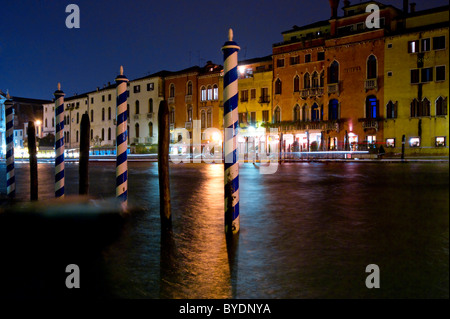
59 142
10 174
121 139
230 124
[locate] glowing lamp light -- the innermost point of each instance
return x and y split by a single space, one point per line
215 137
38 123
241 69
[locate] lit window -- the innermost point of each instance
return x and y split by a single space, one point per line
390 142
414 142
215 92
203 94
440 141
413 46
209 93
371 139
426 44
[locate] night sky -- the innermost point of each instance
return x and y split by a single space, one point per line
37 50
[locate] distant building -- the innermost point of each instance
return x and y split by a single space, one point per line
24 110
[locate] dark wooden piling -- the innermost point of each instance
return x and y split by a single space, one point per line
163 165
31 133
83 171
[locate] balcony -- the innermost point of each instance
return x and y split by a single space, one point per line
312 92
149 116
264 99
333 88
149 140
316 92
171 100
188 125
304 93
371 84
188 98
370 123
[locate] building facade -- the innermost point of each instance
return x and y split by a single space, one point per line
416 84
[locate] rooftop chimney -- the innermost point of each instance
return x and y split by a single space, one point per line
405 6
334 4
413 7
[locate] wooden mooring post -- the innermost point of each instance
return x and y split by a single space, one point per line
31 132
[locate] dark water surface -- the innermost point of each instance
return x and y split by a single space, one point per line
308 231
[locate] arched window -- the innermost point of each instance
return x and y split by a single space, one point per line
150 129
137 130
306 81
92 115
278 86
128 111
333 72
322 79
76 136
296 113
391 110
315 112
92 134
441 106
425 107
203 119
189 88
277 115
109 134
305 113
315 79
296 83
333 110
172 116
103 134
371 67
128 134
137 107
414 108
209 93
189 113
203 94
209 118
215 92
53 122
46 123
103 114
109 113
371 107
172 90
150 105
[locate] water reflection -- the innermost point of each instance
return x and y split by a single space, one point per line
307 231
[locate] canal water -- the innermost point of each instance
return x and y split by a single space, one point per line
307 231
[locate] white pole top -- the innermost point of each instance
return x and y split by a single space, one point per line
230 35
59 86
7 95
121 70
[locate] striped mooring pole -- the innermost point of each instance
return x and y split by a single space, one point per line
10 174
59 142
230 123
121 139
